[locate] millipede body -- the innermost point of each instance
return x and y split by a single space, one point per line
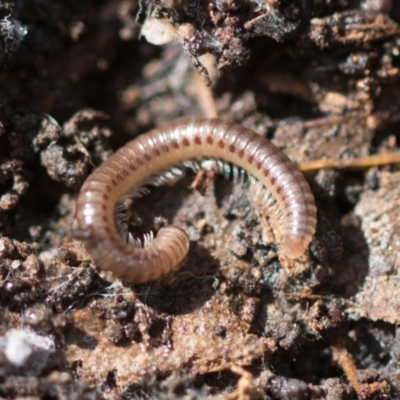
172 145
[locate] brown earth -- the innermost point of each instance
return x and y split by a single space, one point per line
237 321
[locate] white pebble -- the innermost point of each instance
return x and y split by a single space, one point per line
26 350
158 31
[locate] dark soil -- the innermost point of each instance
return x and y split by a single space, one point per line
321 79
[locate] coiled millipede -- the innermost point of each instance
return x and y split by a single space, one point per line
166 147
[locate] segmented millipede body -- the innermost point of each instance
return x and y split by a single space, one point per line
172 145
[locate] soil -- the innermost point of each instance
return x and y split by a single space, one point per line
237 321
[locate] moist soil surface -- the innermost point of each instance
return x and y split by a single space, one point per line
238 320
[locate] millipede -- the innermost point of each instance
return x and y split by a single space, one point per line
167 147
